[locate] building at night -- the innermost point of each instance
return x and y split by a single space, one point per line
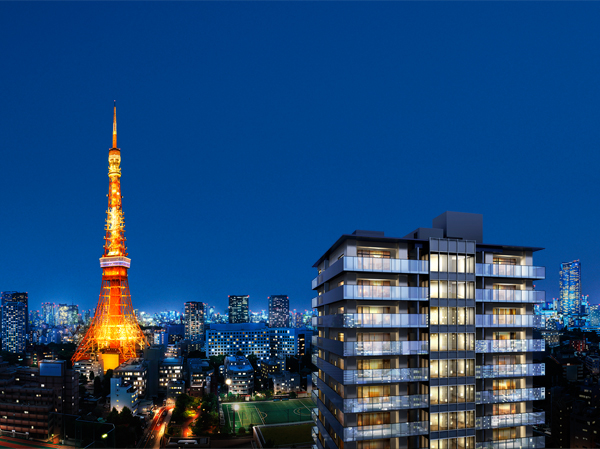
114 334
570 288
239 311
426 341
194 320
279 311
239 375
228 339
289 341
14 322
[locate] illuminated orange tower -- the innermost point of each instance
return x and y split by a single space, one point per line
114 333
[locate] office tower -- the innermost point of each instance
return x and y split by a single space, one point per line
48 313
14 322
570 288
238 309
114 333
426 341
194 320
279 311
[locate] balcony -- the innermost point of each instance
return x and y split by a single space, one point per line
509 321
313 359
380 265
360 405
314 431
315 376
510 271
386 431
500 371
503 396
493 346
314 396
517 443
517 419
377 292
373 376
515 296
371 320
314 413
367 348
371 264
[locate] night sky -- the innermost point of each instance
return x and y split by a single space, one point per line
254 134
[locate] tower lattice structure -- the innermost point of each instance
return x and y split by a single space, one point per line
114 328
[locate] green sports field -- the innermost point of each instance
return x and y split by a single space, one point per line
268 412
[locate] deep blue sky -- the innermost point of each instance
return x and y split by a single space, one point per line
254 134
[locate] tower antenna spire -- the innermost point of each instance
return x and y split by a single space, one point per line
115 125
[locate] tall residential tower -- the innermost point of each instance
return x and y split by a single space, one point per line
194 320
14 321
426 341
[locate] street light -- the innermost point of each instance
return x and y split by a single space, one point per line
228 382
236 407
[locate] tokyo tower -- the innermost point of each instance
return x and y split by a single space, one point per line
114 334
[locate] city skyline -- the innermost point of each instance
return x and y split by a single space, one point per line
234 133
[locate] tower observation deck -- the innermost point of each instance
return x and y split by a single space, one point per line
114 330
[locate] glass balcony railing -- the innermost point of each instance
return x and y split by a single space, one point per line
493 295
313 359
367 348
490 346
372 376
315 376
386 265
509 321
360 405
314 413
314 431
518 419
501 396
314 395
510 271
516 443
500 371
356 320
384 292
386 431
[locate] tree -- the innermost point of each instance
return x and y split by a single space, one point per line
92 375
242 431
293 395
113 417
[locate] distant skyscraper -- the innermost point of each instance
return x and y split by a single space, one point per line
194 320
279 311
48 313
238 309
14 321
570 288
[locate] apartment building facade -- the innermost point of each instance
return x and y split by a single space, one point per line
426 341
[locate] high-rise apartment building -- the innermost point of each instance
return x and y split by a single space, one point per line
194 320
570 288
14 321
48 313
426 341
279 311
239 311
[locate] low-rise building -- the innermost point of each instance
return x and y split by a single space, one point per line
134 372
170 370
239 375
285 382
123 395
592 363
199 374
289 341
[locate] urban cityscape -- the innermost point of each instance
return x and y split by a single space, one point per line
392 321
